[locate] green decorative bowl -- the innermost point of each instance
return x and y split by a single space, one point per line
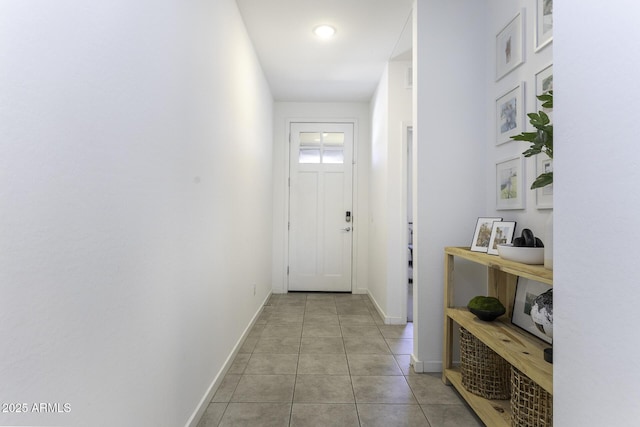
486 315
486 308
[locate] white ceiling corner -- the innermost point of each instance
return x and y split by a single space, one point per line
347 68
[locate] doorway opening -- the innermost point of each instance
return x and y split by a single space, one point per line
408 136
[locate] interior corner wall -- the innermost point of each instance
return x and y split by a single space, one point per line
400 114
449 157
500 12
596 207
390 110
287 112
378 194
135 164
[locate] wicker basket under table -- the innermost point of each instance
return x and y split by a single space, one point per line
531 405
484 372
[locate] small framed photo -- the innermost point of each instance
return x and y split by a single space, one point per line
544 83
544 24
510 181
501 234
482 235
526 291
510 46
510 114
544 195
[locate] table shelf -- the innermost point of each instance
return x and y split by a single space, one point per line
520 349
492 412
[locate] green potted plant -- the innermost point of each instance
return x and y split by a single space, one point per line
541 140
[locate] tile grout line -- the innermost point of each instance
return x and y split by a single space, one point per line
295 379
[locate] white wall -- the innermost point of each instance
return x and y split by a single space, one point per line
286 112
449 156
135 155
400 114
501 12
596 292
378 197
390 109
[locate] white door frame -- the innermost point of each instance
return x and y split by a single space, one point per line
404 292
356 219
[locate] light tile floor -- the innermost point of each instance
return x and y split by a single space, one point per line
316 359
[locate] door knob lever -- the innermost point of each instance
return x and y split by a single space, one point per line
346 229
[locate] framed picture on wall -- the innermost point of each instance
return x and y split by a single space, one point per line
544 24
544 195
510 46
510 183
510 114
501 234
526 291
482 234
544 83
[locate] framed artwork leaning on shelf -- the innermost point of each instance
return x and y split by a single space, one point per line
501 234
526 291
482 234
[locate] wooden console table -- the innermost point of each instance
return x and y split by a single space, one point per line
518 348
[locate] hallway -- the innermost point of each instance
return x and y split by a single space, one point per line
329 360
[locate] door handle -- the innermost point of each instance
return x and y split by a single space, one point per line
346 229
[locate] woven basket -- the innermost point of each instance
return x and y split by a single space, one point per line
484 373
531 405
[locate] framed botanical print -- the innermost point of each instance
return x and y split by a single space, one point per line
510 114
510 46
544 24
544 195
510 183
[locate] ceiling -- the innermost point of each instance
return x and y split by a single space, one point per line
300 67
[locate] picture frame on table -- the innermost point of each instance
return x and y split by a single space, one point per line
510 179
544 195
510 117
543 32
526 291
510 46
544 83
482 233
501 234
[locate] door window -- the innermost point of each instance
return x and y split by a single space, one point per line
321 147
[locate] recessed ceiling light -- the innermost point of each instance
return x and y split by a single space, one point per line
324 31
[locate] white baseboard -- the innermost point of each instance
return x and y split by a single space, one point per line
388 320
425 366
417 364
206 399
377 306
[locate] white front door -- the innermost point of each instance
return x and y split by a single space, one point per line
320 207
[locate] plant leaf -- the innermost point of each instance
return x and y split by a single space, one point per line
547 99
525 136
542 180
